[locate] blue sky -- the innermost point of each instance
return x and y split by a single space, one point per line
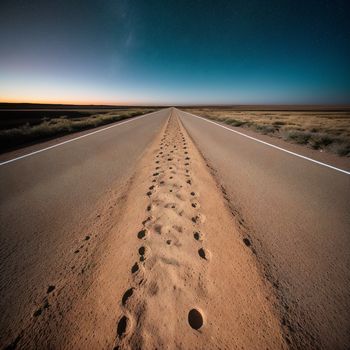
175 52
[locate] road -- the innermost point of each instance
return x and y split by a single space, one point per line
296 213
46 198
299 220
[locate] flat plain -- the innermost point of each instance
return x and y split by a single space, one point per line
22 125
325 129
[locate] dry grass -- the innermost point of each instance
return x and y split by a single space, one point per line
321 130
53 127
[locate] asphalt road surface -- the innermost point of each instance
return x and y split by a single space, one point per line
299 220
43 197
296 211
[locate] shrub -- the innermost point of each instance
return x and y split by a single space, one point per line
57 127
341 147
301 137
278 122
265 129
234 122
318 140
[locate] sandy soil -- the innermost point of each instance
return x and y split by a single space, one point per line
194 282
171 270
319 130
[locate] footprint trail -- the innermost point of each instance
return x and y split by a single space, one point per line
179 296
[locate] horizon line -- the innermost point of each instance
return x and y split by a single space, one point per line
95 104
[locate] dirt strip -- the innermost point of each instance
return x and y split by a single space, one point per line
194 283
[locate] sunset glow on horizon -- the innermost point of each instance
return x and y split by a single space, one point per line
173 53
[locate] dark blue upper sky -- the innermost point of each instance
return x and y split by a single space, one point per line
175 52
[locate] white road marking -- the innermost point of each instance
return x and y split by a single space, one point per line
74 139
273 146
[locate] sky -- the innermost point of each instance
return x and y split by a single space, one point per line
175 52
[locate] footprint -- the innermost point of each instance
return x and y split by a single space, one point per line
123 325
50 289
146 220
141 234
135 268
198 236
195 319
247 242
195 219
38 312
203 254
14 344
127 295
142 252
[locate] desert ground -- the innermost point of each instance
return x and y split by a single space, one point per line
322 130
25 124
165 231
